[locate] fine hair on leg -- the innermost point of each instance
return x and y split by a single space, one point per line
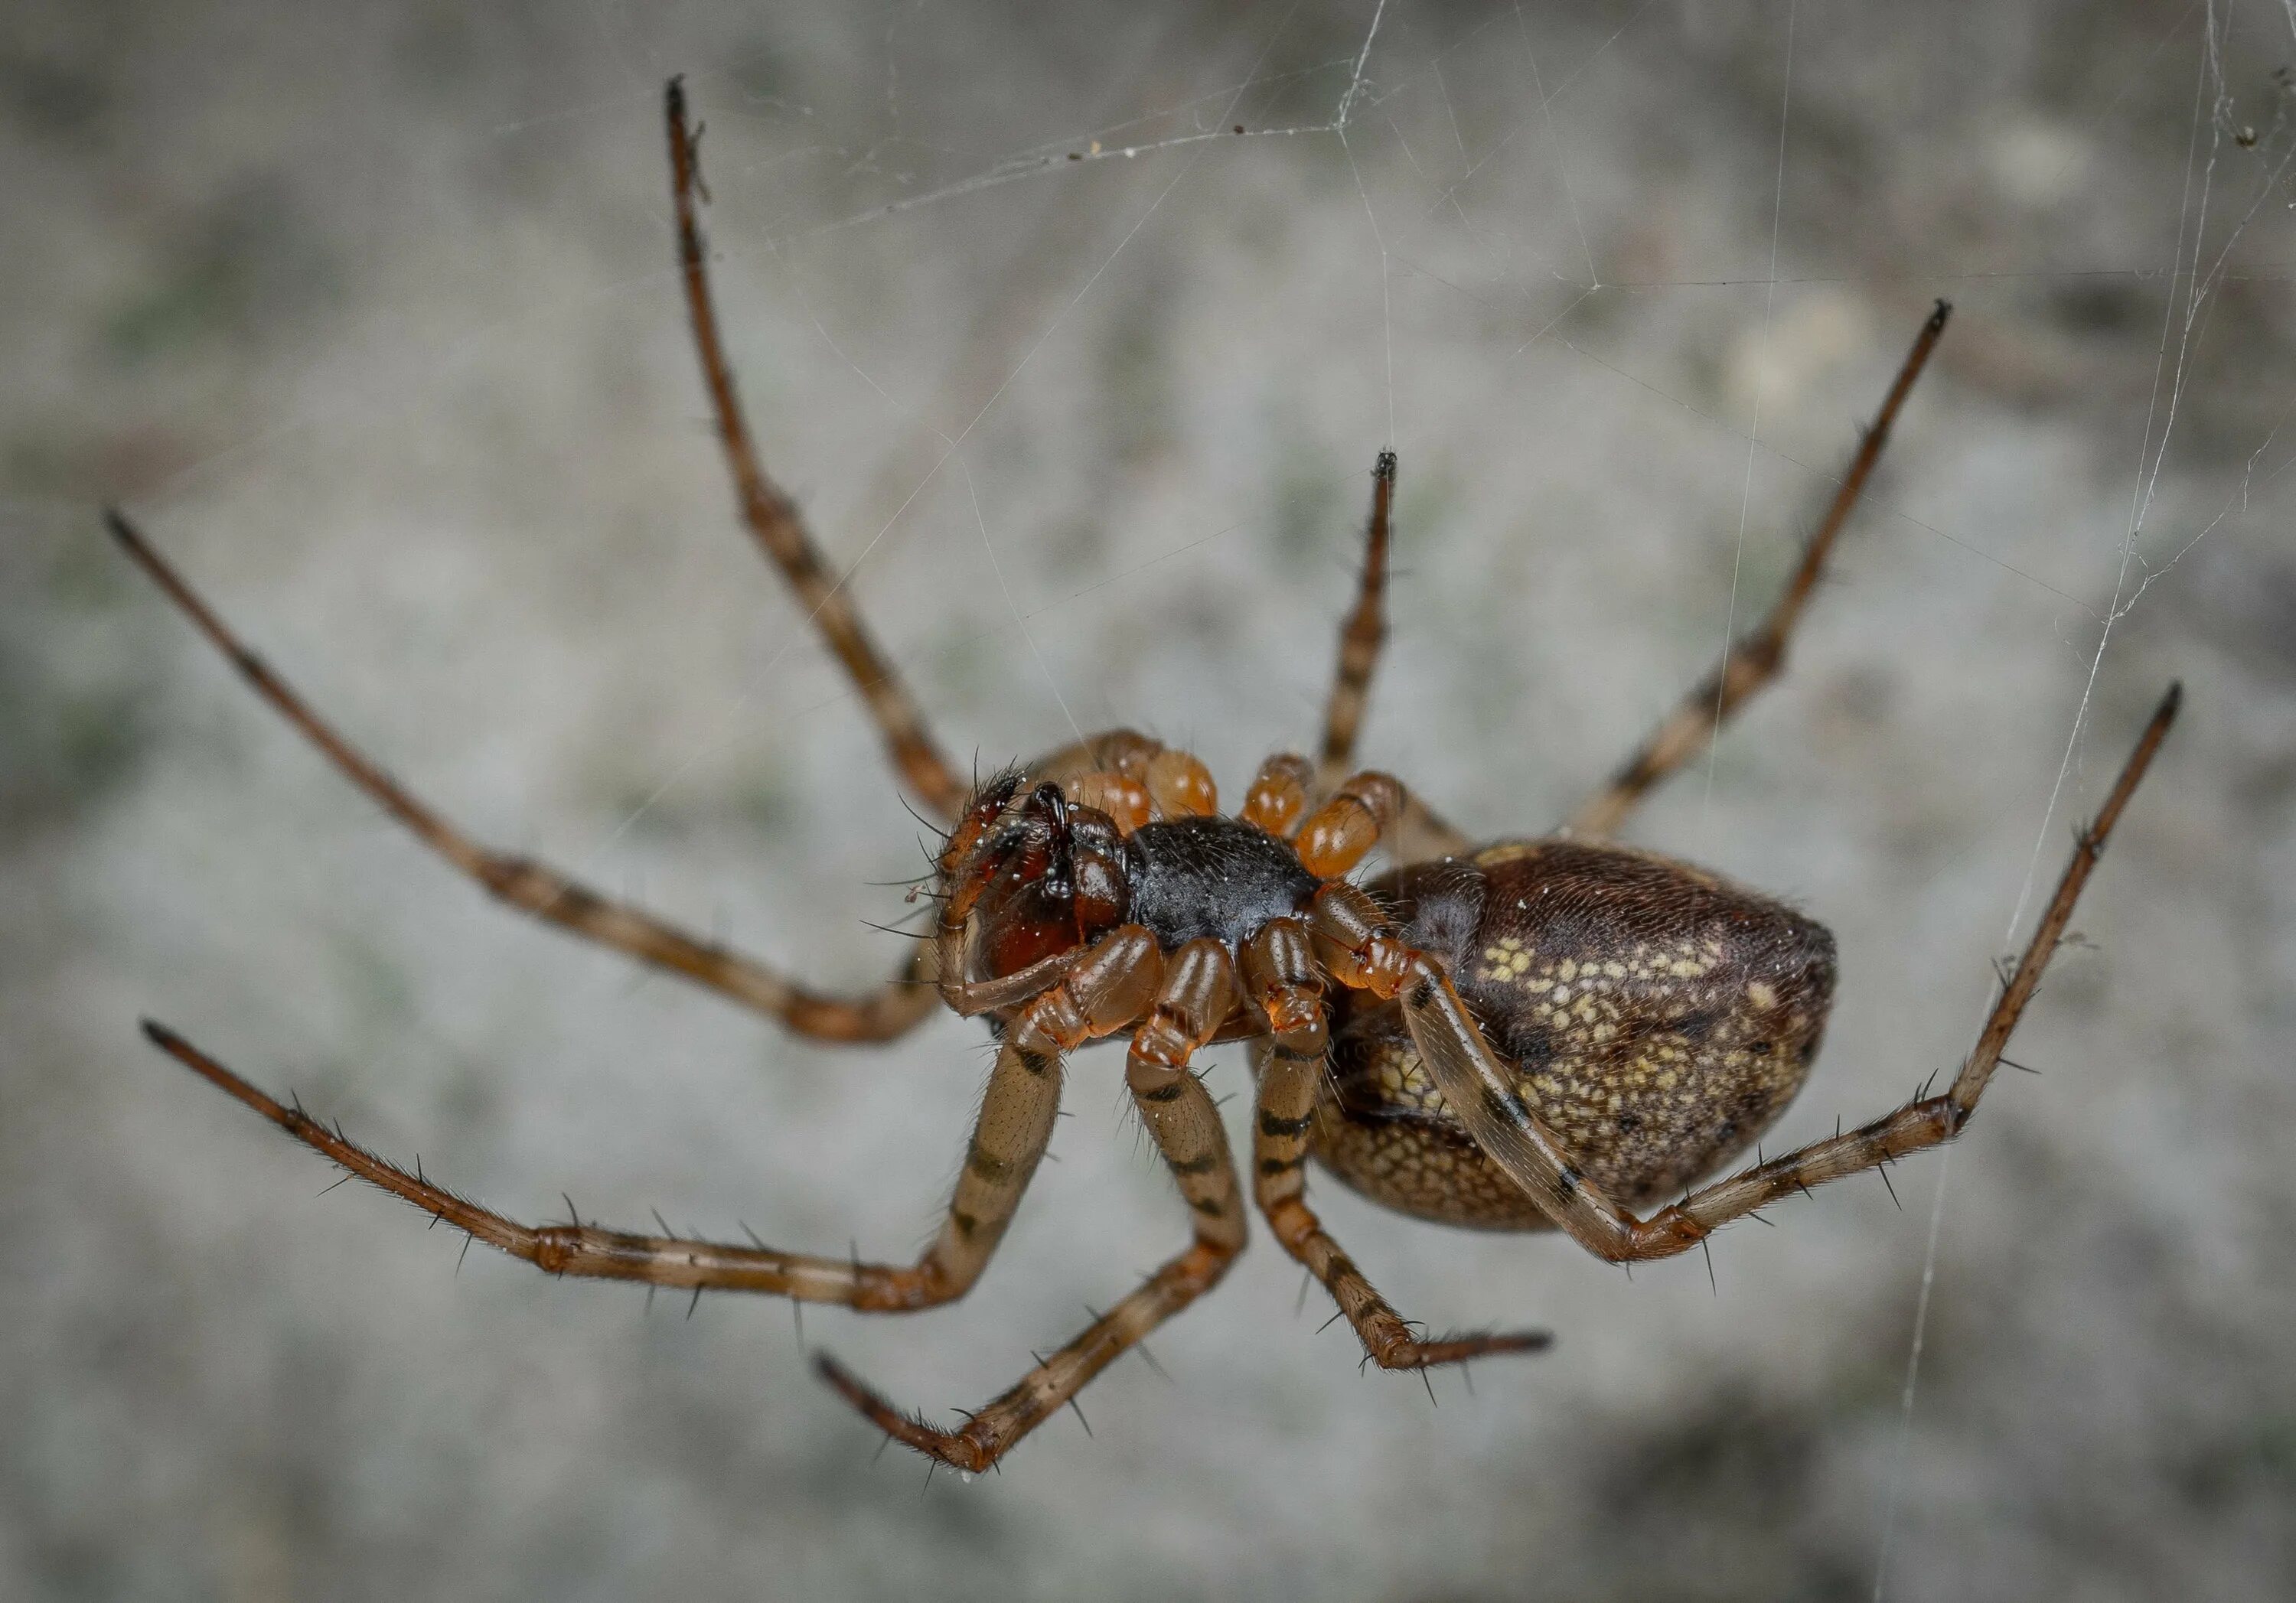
1198 992
1104 991
538 888
773 519
1756 657
1281 979
1361 636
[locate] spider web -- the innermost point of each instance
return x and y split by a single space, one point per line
2200 272
1453 197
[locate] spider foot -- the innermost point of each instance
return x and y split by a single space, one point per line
1457 1349
960 1450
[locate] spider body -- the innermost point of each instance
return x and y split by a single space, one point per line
1048 875
1217 878
1044 874
1655 1016
1539 1033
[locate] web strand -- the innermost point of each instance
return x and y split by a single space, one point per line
2200 287
1753 434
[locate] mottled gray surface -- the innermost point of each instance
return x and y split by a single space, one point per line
365 312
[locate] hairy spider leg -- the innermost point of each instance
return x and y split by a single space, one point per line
1363 950
1105 992
772 517
1756 656
1419 834
538 888
1362 635
1281 980
1199 990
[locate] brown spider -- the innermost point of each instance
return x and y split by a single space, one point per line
1529 1034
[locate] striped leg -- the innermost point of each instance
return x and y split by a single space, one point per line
1107 990
1281 977
774 518
1361 636
538 888
1363 950
1199 990
1418 833
1754 658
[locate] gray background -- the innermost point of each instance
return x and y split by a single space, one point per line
365 310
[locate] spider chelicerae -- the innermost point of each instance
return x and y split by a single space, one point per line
1523 1034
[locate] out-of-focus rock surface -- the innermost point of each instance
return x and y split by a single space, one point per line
366 313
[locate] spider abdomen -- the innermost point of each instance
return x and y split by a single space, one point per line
1657 1016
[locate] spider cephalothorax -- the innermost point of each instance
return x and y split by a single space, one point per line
1035 870
1534 1034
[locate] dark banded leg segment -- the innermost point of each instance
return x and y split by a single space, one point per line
1280 975
1361 636
1755 657
1362 950
1418 834
1199 989
1104 991
538 888
773 519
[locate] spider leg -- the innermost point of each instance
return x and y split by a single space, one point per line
1370 809
1928 1121
1280 975
542 890
1199 990
1276 800
1008 1141
1419 834
774 518
1361 636
1480 1090
1342 832
1755 657
1108 771
1125 751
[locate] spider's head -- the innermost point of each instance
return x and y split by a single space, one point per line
1035 874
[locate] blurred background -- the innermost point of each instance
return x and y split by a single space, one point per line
365 312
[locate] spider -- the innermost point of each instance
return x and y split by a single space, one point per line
1524 1034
